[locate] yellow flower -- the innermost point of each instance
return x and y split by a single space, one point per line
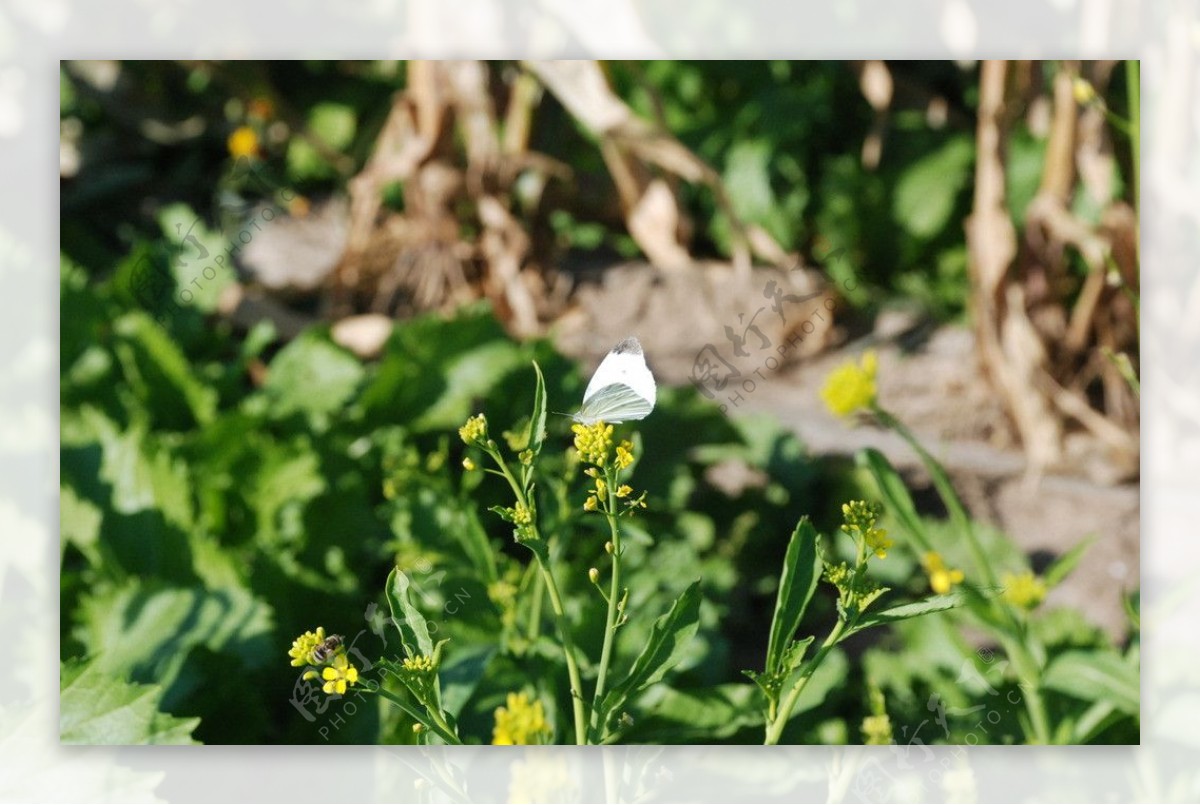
590 504
243 142
302 646
624 490
877 730
1083 91
468 465
851 387
1023 589
860 518
421 664
474 431
593 442
601 488
941 578
624 454
521 514
338 674
521 722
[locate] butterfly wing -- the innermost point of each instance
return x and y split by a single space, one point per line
615 402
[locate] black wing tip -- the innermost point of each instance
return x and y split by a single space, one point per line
628 346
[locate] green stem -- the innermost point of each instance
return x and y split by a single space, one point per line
945 490
1133 89
775 728
433 722
614 595
560 614
564 631
1010 628
535 608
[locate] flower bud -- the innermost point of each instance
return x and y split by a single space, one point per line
594 575
608 547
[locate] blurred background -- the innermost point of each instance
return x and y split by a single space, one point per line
284 284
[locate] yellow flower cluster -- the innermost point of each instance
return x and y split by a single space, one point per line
474 431
859 522
521 515
521 722
877 730
421 664
593 442
302 647
851 387
941 578
1023 590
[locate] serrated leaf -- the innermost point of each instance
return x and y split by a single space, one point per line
160 374
1062 567
412 625
145 632
937 603
797 583
668 637
95 708
1096 676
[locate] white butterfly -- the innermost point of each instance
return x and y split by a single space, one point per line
622 388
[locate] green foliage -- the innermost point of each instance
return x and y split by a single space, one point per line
98 709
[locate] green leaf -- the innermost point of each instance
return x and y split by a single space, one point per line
95 708
145 632
797 583
1096 676
668 639
161 376
936 603
1062 567
414 631
702 715
537 422
927 191
313 376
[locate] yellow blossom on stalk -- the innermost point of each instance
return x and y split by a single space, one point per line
419 665
601 488
243 142
338 674
521 722
860 518
941 578
302 646
624 490
593 442
851 386
1083 91
521 514
474 431
877 730
1023 589
590 504
624 454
